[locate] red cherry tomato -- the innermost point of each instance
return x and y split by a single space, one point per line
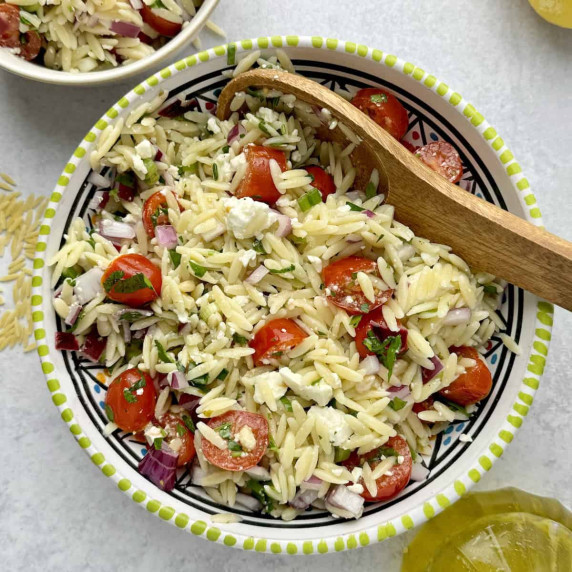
130 400
257 182
30 45
443 158
9 26
387 485
164 27
155 212
233 422
132 279
176 429
384 109
473 385
274 338
322 181
343 290
375 322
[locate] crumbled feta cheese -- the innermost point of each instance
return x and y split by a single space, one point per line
465 438
139 166
246 438
319 392
272 380
247 257
315 262
213 125
267 114
235 162
247 218
357 473
400 459
145 150
338 429
152 432
356 488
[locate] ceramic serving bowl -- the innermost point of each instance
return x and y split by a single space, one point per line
491 172
31 70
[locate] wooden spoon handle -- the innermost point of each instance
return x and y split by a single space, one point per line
485 236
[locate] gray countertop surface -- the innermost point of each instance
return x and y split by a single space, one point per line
56 511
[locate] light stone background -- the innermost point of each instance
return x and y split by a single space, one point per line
56 511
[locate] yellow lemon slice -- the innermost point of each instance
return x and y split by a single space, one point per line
557 12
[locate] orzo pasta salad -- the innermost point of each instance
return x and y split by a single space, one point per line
263 322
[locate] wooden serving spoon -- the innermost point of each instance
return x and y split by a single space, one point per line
485 236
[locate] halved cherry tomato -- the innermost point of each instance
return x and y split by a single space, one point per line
343 290
275 337
176 429
423 405
375 322
473 385
132 279
443 158
164 27
155 212
387 485
257 182
384 109
322 181
232 422
130 400
9 26
30 45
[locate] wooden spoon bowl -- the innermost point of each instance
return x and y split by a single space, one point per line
485 236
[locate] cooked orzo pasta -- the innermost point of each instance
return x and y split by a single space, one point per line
260 318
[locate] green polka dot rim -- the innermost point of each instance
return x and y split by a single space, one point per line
468 129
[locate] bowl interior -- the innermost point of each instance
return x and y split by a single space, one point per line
454 464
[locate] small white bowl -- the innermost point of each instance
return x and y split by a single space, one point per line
31 70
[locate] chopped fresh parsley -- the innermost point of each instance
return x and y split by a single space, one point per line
200 381
383 452
162 353
159 212
192 169
109 413
354 207
238 339
378 98
370 190
188 421
257 247
341 454
282 270
175 257
355 320
72 273
215 171
129 397
490 289
263 128
198 270
224 430
386 351
309 199
131 316
180 430
396 404
259 493
297 240
364 308
128 285
234 446
225 149
222 375
454 406
286 403
272 444
112 279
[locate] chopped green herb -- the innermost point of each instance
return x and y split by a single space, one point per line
282 270
234 446
180 430
112 279
396 404
259 493
138 384
159 212
127 179
355 320
354 207
215 171
162 354
222 375
158 443
200 381
386 351
384 452
257 247
490 289
131 316
297 240
370 190
238 339
192 169
309 199
317 381
152 176
454 406
255 93
274 101
263 128
198 270
224 430
378 98
158 4
129 397
286 403
341 454
70 273
364 308
272 444
133 349
188 421
109 413
231 54
128 285
175 258
225 149
413 452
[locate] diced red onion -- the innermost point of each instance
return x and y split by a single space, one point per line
112 229
248 502
66 342
88 285
58 291
303 499
126 29
428 374
93 347
341 497
457 317
258 473
104 199
129 311
313 483
160 467
75 310
125 193
235 133
98 180
126 333
190 404
178 108
136 4
370 365
284 226
257 275
177 380
419 472
166 236
400 391
369 214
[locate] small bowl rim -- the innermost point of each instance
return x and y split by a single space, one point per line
482 459
36 72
